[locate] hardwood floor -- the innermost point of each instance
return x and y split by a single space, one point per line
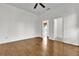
33 47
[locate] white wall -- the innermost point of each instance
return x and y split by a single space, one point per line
16 24
70 29
70 13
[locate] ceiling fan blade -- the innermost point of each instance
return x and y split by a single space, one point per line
35 5
42 5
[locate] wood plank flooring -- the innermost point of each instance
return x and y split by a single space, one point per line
33 47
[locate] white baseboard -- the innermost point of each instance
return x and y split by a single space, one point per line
14 40
77 44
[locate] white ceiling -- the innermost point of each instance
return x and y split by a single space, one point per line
39 10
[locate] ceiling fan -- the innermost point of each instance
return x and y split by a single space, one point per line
42 5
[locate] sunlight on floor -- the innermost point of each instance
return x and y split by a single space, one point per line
44 45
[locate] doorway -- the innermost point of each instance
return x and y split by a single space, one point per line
59 28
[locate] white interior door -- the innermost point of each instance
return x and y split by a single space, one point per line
58 28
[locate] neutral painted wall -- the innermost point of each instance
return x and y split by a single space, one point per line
16 24
69 13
